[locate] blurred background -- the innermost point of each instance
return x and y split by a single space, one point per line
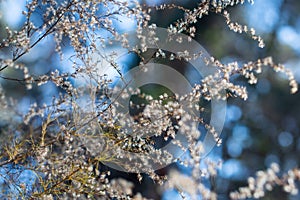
257 132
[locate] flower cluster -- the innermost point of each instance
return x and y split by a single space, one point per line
67 142
266 181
